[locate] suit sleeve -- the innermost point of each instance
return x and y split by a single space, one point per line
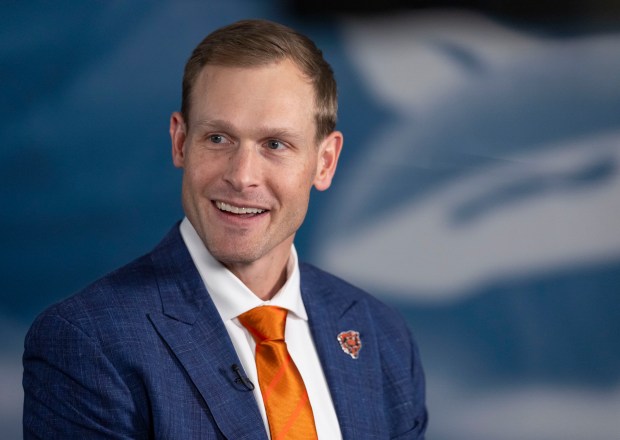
71 389
405 385
420 413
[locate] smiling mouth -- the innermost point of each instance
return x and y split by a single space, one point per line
238 210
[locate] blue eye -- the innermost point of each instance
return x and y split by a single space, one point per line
274 144
216 138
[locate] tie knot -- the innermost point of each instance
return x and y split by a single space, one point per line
265 323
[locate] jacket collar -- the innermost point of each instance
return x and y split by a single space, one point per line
355 384
192 328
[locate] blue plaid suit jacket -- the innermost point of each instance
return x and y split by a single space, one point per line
143 353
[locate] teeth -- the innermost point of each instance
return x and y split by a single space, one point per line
237 210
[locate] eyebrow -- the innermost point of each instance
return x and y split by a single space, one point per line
216 124
261 132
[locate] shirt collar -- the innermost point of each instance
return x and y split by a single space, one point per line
230 296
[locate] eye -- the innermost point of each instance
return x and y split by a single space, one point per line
274 144
216 138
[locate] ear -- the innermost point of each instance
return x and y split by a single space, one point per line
178 134
329 151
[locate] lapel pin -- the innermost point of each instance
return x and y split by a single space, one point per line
350 343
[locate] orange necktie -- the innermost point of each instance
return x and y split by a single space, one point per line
286 401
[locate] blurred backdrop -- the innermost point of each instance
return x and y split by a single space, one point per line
478 192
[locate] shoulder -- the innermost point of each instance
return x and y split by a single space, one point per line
122 296
88 348
387 320
387 339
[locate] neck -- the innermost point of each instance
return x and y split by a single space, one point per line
263 278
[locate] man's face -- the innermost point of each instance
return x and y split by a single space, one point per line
250 159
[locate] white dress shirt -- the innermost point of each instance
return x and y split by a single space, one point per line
232 298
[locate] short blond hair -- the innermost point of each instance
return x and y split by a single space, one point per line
251 43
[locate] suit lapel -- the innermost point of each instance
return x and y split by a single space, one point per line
355 384
194 331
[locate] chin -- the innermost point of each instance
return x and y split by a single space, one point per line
234 255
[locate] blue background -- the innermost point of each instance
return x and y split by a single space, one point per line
478 192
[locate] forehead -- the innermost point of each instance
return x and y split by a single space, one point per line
277 92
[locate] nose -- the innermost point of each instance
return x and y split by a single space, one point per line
242 170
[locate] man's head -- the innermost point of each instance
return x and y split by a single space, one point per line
254 43
250 145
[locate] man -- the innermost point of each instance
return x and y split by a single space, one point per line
175 345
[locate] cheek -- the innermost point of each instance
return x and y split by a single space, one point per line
201 172
298 191
298 183
196 184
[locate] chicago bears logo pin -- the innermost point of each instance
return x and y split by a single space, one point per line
350 343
